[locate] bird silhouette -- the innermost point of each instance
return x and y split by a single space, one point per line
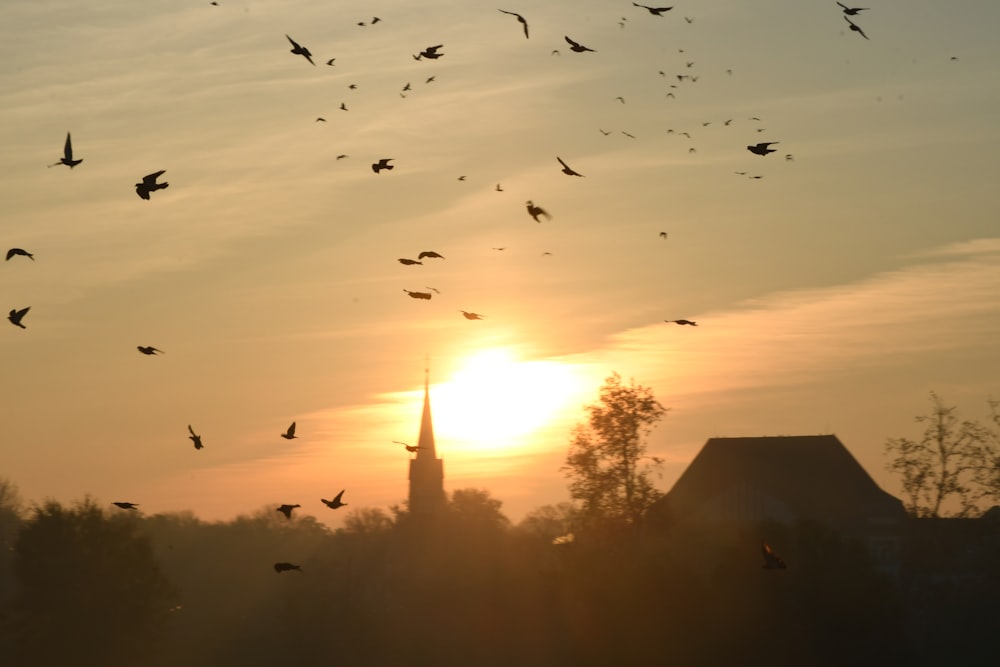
409 448
663 235
772 561
16 316
382 164
430 79
19 251
471 316
655 11
418 295
287 510
320 119
498 188
430 52
576 46
126 506
195 438
67 158
851 11
336 502
148 350
520 19
343 106
762 148
289 434
431 254
566 168
285 567
605 133
687 322
149 184
535 211
408 262
330 62
301 51
856 28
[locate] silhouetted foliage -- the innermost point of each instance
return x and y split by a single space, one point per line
953 460
605 461
89 591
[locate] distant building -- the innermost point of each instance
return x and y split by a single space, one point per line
785 479
427 496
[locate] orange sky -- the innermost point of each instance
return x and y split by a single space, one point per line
831 295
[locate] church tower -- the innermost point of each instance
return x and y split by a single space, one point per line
426 469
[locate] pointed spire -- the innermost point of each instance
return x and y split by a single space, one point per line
426 439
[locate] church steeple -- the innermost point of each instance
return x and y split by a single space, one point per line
426 469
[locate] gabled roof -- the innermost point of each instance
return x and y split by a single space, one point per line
781 478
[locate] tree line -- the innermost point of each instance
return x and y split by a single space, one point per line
570 584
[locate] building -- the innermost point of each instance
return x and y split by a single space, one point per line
427 496
785 479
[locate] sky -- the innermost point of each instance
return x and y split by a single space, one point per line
859 272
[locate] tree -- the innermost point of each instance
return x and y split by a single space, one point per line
89 591
605 460
954 460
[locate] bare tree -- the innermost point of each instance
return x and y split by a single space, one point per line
605 463
954 460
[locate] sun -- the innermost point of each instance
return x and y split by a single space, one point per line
495 402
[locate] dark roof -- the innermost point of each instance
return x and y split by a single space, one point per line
782 478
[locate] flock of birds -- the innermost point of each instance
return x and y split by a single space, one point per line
151 183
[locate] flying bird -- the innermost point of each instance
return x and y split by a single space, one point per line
761 148
336 502
285 567
851 11
149 184
430 79
519 18
471 316
289 434
320 119
287 510
16 316
772 561
663 235
330 62
535 211
409 262
687 322
409 448
195 438
431 254
655 11
19 251
566 168
343 106
856 28
342 156
498 188
382 164
418 295
302 51
576 46
67 158
148 350
126 506
430 52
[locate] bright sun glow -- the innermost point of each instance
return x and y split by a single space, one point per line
495 402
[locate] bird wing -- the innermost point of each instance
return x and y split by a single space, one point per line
291 429
294 43
19 314
68 149
11 252
150 179
570 41
336 498
191 431
563 163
